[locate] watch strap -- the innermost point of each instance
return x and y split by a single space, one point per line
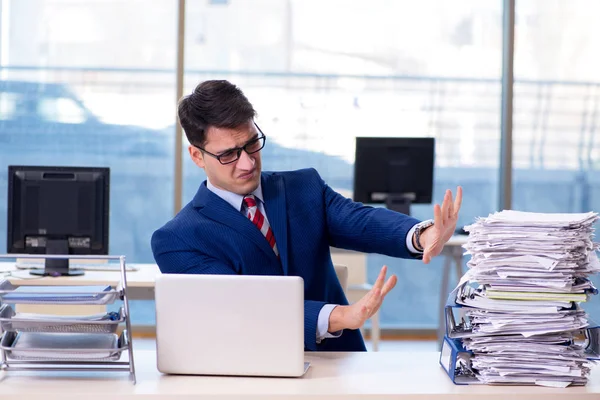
420 229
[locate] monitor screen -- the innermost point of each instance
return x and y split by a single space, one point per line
58 210
394 171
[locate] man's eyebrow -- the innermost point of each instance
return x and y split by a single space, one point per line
236 148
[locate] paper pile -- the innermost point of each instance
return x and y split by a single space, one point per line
533 271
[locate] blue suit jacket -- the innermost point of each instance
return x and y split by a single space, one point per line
208 236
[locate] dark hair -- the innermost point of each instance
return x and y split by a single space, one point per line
213 103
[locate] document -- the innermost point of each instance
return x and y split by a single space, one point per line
528 274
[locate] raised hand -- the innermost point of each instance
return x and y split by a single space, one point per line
355 315
445 217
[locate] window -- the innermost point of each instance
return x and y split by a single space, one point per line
98 90
431 72
556 109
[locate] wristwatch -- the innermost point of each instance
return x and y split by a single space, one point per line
421 226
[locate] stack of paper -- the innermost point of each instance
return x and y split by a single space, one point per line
547 360
533 271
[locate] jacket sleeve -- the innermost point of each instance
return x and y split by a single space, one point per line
354 226
174 256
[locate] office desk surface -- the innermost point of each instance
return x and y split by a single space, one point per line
332 375
143 278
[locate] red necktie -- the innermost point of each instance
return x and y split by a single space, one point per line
259 220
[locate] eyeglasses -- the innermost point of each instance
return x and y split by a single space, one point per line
232 155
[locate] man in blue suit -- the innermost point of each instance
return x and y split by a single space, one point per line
244 221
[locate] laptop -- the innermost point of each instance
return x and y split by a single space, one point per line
242 325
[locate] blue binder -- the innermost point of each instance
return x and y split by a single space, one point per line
458 324
592 341
456 361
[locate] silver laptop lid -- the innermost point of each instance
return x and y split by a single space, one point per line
230 324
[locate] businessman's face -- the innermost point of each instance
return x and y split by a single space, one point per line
240 176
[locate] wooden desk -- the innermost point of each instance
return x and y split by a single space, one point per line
383 375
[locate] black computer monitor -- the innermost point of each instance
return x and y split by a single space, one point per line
58 210
394 171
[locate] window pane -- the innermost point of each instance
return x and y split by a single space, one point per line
556 109
389 68
94 86
62 110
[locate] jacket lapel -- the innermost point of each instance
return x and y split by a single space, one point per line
275 206
217 209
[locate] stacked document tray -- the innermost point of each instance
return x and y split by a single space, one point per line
63 346
28 322
515 317
93 342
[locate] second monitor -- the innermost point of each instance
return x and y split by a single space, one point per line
395 171
60 211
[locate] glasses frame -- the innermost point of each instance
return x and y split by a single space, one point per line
238 150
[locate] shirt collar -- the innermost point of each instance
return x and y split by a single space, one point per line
236 200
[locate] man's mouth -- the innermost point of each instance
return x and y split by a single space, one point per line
247 175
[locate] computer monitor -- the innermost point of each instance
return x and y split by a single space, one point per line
58 210
395 171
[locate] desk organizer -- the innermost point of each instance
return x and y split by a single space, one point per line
47 342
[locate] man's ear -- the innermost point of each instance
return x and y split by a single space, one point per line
196 155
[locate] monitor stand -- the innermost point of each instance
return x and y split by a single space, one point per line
399 202
57 266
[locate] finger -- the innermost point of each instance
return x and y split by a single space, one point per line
381 278
389 285
374 310
366 298
374 300
458 200
377 306
450 207
446 205
437 216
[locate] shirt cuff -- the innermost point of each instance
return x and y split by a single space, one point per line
409 242
323 324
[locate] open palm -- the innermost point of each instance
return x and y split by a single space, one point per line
444 225
355 315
